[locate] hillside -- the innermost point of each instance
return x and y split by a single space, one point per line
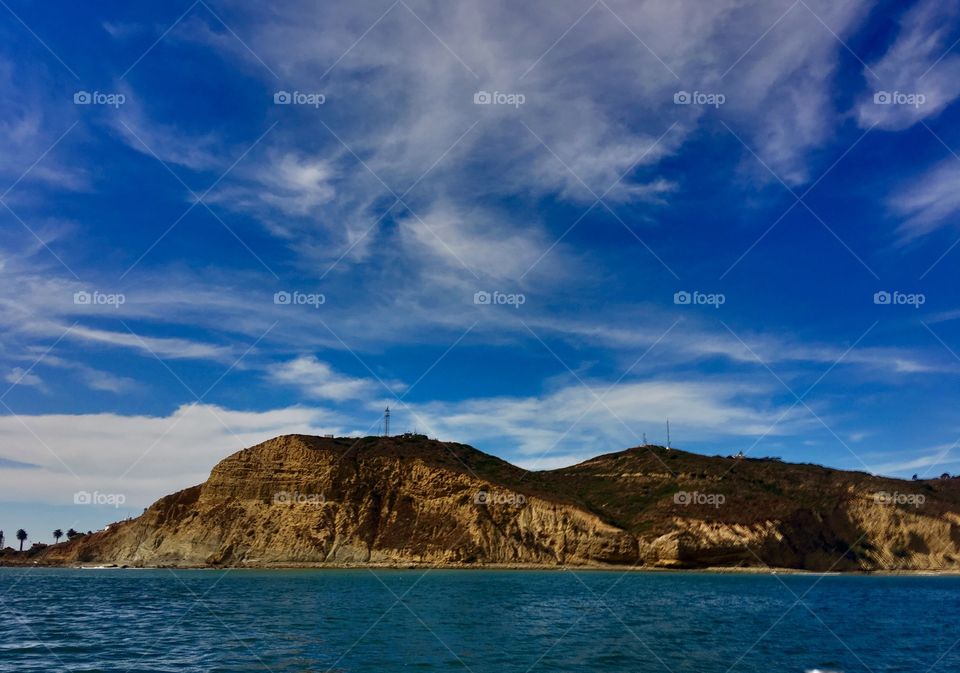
301 500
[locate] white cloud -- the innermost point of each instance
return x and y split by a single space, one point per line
570 424
917 62
929 464
415 100
284 190
21 377
120 30
93 378
167 142
482 241
142 457
691 341
431 301
107 382
318 380
163 347
929 201
30 126
296 185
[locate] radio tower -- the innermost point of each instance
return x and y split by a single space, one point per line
668 433
386 422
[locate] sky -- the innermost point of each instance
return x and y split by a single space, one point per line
539 228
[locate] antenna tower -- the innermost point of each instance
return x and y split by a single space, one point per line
386 422
668 433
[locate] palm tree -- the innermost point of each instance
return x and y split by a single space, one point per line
57 534
72 534
22 536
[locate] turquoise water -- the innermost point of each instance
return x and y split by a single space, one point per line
474 621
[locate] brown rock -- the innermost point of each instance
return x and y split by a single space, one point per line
402 501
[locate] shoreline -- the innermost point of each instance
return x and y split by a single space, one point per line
713 570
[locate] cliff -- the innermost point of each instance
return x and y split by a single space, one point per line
300 500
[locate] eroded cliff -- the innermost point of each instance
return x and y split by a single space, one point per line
299 500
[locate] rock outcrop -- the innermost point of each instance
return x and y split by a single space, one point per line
300 500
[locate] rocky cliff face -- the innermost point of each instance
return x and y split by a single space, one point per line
397 501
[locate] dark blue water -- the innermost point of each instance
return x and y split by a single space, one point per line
474 621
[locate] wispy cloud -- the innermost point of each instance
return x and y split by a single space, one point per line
572 421
18 376
928 463
93 378
164 347
917 63
928 202
318 380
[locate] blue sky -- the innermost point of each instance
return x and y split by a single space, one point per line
781 163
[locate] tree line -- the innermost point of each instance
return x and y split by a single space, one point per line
22 536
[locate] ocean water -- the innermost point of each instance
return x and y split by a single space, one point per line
286 621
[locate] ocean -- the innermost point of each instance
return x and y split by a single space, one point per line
491 621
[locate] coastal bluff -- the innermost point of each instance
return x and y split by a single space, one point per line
300 500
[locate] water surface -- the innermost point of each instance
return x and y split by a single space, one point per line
288 621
